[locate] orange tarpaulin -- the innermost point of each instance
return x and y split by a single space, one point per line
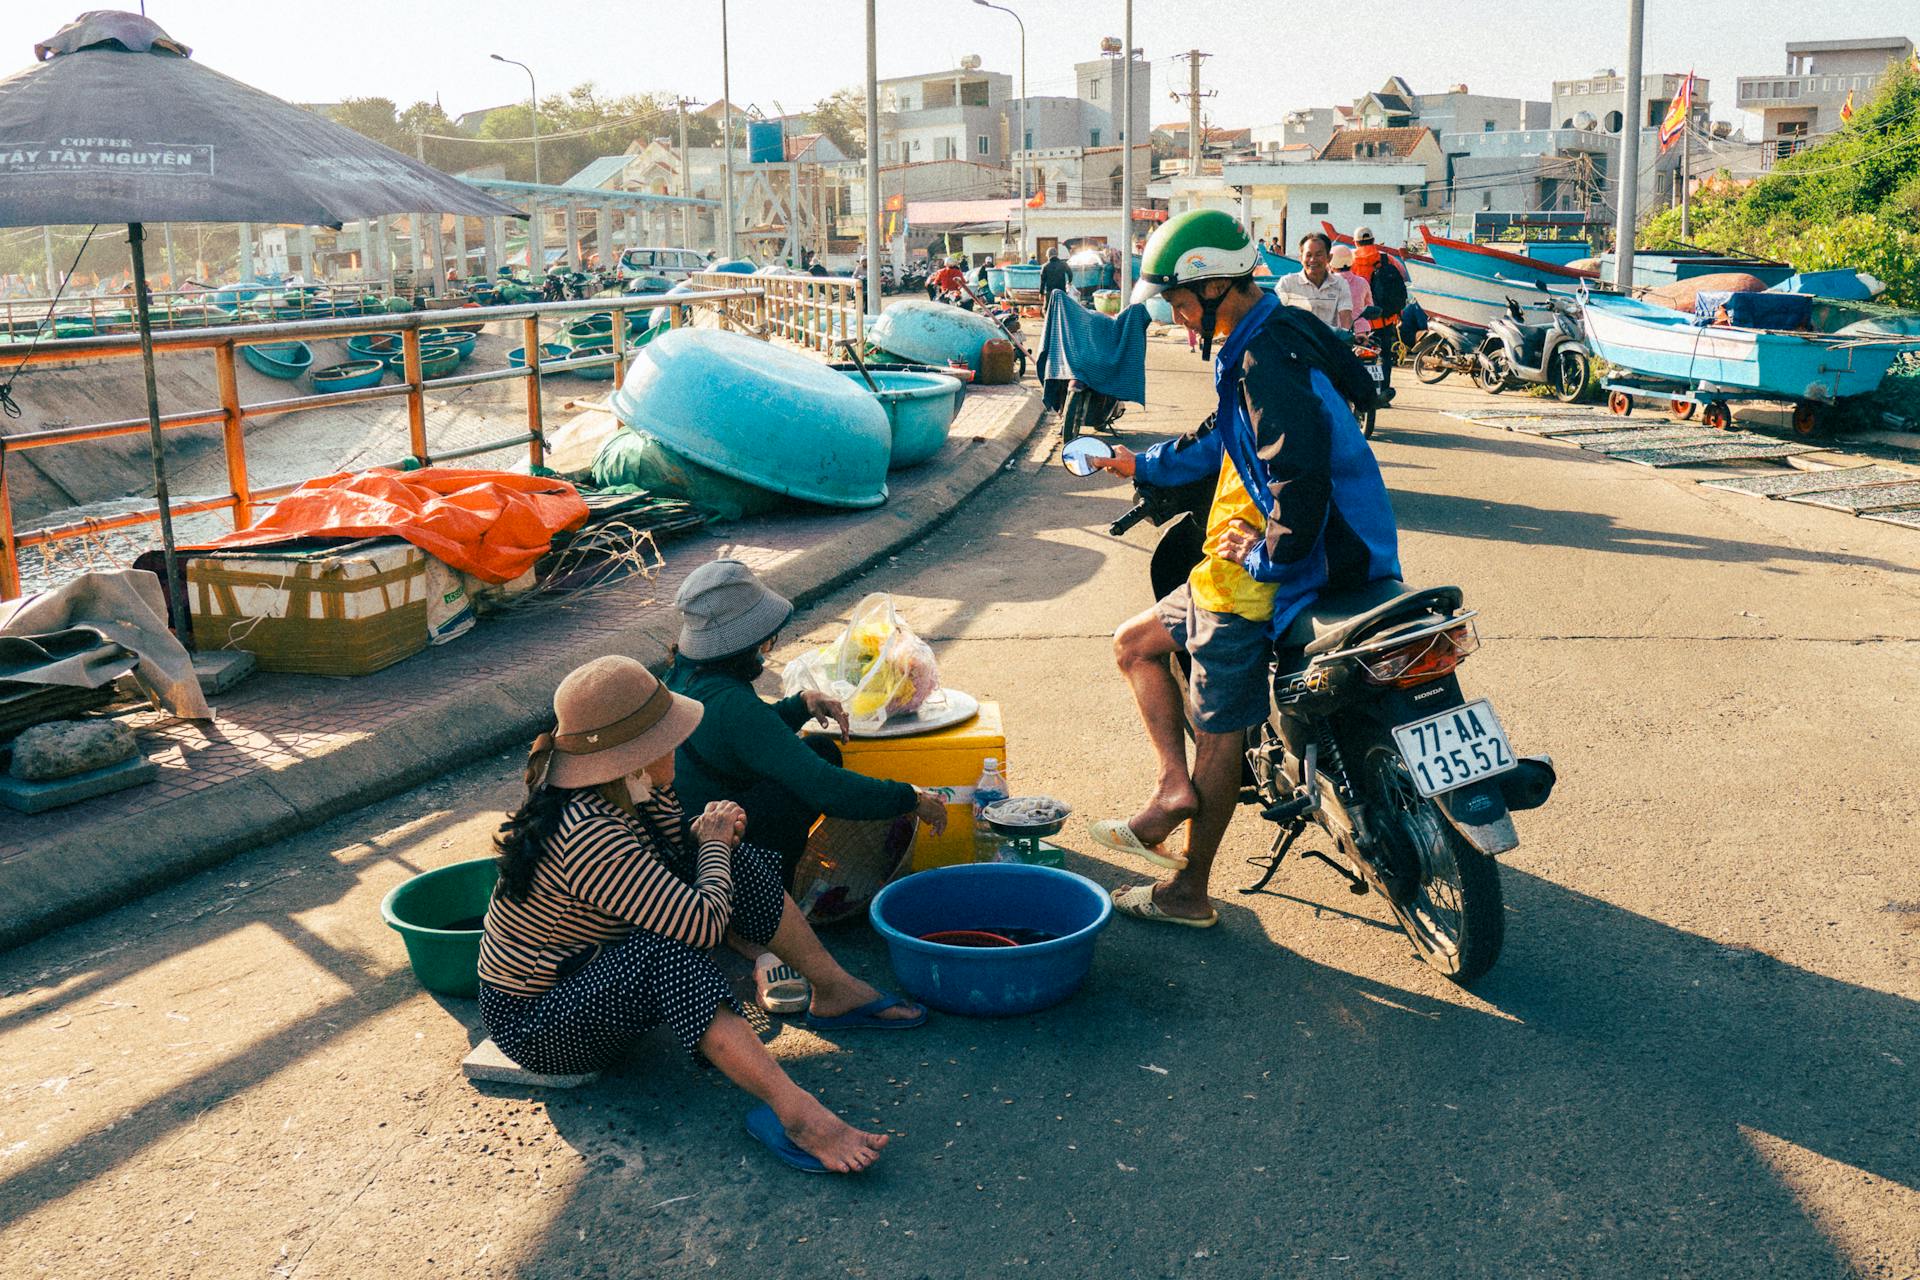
491 524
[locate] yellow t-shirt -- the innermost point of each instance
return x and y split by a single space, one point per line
1221 586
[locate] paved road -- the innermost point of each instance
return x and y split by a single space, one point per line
1699 1055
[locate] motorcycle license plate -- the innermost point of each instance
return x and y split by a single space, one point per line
1379 374
1449 750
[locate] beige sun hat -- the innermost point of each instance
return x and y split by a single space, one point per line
611 718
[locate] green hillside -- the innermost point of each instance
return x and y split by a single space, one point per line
1851 201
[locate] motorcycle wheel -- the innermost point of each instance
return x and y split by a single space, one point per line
1434 357
1373 412
1085 410
1490 371
1569 375
1458 917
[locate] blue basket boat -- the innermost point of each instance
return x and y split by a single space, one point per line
1020 275
354 375
460 340
920 407
925 332
374 346
548 351
775 418
286 360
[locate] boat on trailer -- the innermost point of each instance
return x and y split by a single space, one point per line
1666 355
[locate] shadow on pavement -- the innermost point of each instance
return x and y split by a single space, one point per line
1216 1097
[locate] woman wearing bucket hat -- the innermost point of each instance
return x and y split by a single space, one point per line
749 751
609 902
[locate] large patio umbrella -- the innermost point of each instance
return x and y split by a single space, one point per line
116 123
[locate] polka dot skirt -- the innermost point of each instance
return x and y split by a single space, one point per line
635 985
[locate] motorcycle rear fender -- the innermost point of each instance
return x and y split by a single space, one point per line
1478 811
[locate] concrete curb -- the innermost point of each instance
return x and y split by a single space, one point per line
100 868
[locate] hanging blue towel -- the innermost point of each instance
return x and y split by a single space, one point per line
1107 353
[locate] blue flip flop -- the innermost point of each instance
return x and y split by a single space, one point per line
766 1127
867 1017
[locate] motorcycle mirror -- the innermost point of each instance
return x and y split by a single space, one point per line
1078 454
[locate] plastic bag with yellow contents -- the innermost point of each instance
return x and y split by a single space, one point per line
877 667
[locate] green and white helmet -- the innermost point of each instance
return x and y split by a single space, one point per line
1200 244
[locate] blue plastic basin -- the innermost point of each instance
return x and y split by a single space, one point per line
991 982
1022 276
920 407
760 413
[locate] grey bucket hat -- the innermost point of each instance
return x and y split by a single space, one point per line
725 609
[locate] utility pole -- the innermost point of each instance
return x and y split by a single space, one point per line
1686 158
686 175
1627 181
1125 272
726 104
1195 150
46 242
872 166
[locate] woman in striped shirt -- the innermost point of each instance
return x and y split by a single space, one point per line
605 913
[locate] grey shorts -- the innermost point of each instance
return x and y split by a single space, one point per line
1230 655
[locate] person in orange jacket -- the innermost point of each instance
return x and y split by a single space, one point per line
1389 288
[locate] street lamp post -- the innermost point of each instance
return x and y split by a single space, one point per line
1125 274
873 165
726 111
1627 196
1023 117
533 100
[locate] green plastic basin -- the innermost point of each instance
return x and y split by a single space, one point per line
419 910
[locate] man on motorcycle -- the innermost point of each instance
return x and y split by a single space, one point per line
1298 508
950 283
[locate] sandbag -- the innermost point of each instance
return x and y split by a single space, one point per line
1682 294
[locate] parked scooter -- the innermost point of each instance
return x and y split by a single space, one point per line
1516 353
1446 349
1371 740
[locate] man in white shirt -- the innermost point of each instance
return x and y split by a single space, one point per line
1314 288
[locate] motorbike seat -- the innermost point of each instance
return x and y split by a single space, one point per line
1339 619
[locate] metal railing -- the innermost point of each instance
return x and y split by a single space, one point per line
818 313
736 295
111 313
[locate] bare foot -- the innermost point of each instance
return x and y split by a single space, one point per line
845 997
1163 815
831 1140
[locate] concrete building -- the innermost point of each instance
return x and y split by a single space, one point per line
1099 85
946 115
1526 171
1396 106
1595 102
1306 127
1413 144
1805 102
1295 197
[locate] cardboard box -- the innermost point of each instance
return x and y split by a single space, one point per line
337 609
949 758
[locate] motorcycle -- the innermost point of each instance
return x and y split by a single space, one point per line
1555 354
1445 349
1370 739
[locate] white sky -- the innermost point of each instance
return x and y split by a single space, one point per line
1269 56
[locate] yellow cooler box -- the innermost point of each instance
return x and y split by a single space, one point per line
948 758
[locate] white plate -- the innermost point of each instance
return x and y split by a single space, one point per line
1449 750
946 708
1379 374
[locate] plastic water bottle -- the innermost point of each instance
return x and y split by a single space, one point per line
991 789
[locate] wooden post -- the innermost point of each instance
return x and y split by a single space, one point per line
416 401
619 346
9 552
233 429
536 447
